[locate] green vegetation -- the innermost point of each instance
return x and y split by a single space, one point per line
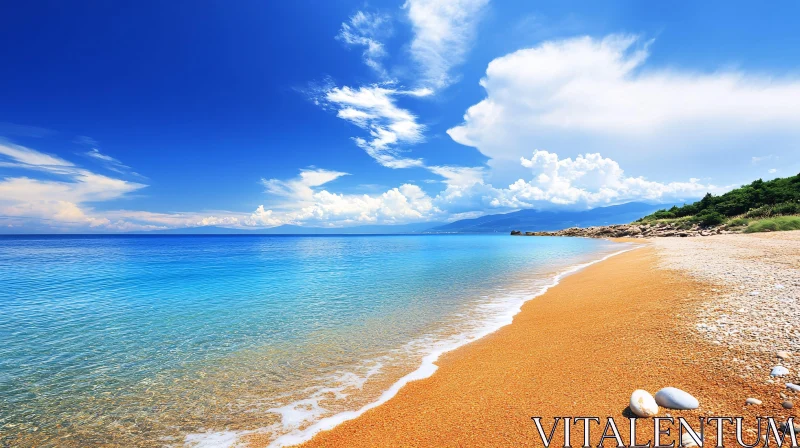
774 224
762 206
738 222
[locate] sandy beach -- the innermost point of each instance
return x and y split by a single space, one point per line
639 320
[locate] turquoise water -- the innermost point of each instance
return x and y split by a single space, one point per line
143 340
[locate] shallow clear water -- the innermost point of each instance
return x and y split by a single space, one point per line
141 340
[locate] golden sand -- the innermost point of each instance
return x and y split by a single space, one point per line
578 350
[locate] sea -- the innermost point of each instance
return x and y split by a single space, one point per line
201 341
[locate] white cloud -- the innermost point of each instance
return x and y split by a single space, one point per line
22 157
107 161
84 186
374 109
302 203
592 180
111 163
772 171
599 93
301 188
79 185
466 193
65 202
365 29
443 31
457 176
61 200
96 154
186 219
587 181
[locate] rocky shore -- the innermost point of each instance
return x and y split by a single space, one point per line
752 313
758 297
635 231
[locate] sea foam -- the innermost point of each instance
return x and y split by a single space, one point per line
496 314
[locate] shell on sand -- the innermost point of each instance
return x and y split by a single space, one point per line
643 404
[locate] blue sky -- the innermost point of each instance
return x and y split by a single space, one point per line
250 114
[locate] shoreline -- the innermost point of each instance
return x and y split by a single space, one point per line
478 396
428 366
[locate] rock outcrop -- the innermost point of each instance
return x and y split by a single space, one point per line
635 231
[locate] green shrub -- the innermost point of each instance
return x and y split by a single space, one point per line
759 212
757 200
662 214
765 211
786 208
775 224
739 222
710 218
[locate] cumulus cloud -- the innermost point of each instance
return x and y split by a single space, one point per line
587 181
598 93
443 31
303 203
365 30
374 109
466 192
592 180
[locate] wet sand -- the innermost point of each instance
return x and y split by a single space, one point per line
578 350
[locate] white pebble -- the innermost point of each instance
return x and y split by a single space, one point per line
674 398
643 404
779 371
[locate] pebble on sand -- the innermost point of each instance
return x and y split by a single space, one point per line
779 371
642 404
787 404
752 401
783 354
793 387
673 398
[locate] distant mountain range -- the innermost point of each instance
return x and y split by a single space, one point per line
537 220
524 220
297 230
